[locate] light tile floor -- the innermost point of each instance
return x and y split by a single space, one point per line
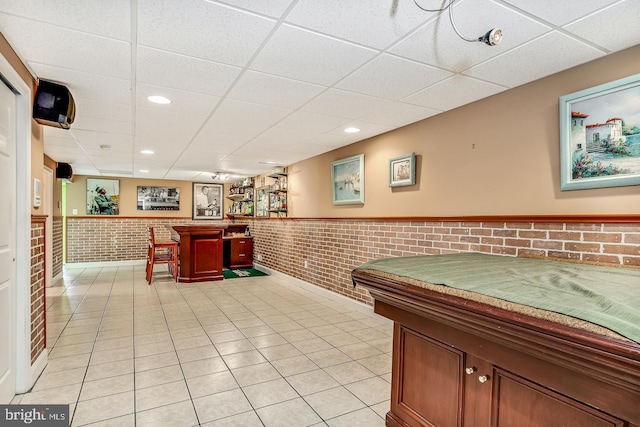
244 352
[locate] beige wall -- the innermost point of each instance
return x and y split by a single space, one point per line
77 196
513 169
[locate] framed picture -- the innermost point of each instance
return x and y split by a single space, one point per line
158 198
207 201
262 201
402 170
347 178
103 196
600 136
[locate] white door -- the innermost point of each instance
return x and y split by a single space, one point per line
7 242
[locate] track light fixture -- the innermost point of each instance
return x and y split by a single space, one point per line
490 38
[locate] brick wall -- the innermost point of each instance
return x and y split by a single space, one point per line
116 239
56 268
38 338
332 248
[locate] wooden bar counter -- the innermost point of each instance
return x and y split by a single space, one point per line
200 252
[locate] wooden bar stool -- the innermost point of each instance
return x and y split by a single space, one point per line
163 252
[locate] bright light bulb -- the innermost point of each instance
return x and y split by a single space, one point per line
352 130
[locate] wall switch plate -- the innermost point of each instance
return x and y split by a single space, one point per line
75 211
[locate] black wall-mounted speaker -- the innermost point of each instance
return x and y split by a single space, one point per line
64 171
53 105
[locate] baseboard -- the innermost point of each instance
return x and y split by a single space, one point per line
36 370
127 263
322 292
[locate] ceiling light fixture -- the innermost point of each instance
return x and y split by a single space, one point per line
157 99
352 130
490 38
220 176
146 151
144 171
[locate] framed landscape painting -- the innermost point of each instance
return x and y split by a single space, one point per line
600 136
347 179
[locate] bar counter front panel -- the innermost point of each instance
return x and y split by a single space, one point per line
202 250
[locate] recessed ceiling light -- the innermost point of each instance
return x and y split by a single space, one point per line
146 151
352 130
267 163
144 171
157 99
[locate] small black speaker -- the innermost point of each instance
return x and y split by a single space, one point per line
53 105
64 171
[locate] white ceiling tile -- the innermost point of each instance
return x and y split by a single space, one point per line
102 125
103 110
368 23
109 19
560 12
341 103
273 90
87 86
201 29
622 24
391 77
530 61
310 57
330 141
437 44
49 44
302 120
247 112
166 126
273 8
367 130
281 138
182 102
453 92
224 136
398 114
91 140
181 175
161 68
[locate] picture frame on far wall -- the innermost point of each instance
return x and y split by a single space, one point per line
347 180
402 170
207 201
600 136
158 198
103 196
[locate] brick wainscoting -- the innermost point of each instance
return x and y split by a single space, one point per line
333 247
56 268
38 337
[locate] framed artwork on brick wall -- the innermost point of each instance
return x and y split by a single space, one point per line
103 196
600 136
207 201
347 180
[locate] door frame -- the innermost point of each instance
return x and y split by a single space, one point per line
26 374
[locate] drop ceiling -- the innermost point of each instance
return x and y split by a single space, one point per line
257 83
